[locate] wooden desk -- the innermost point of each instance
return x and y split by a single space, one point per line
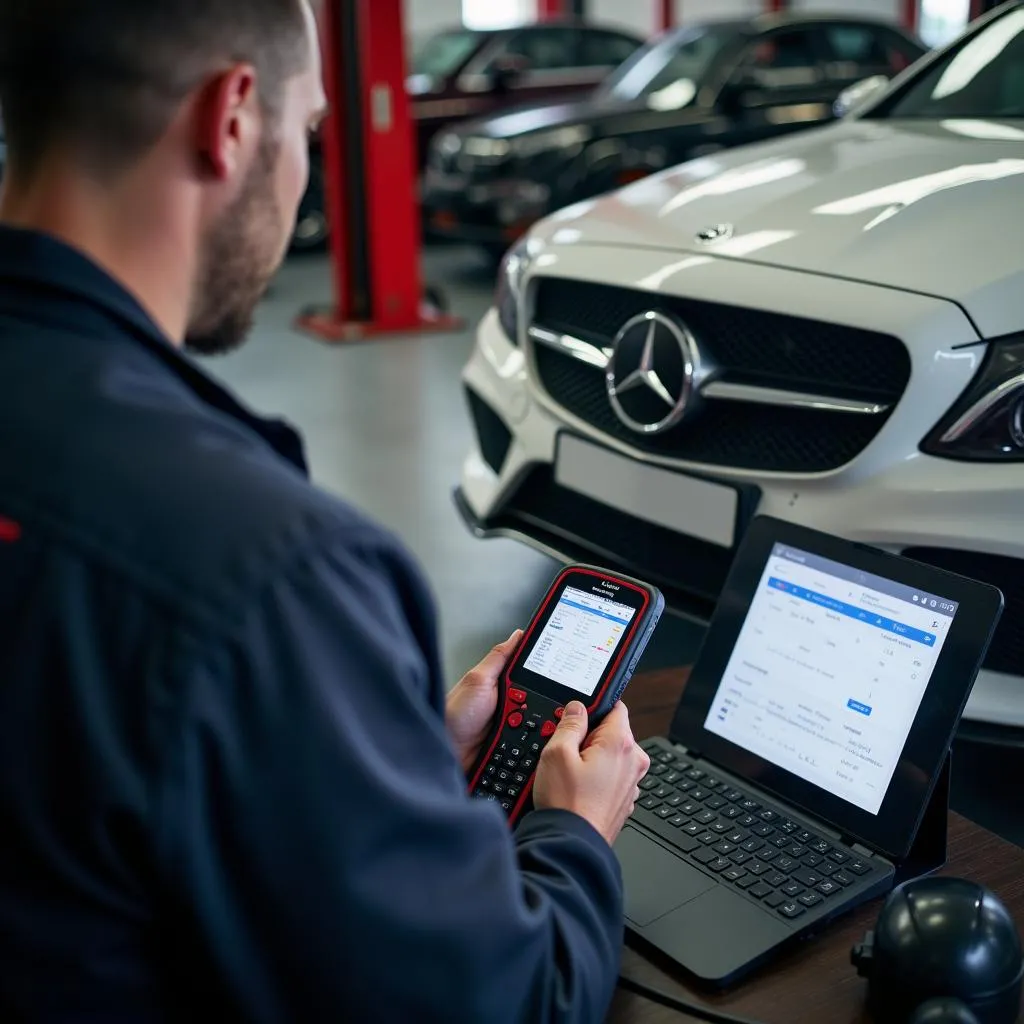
816 982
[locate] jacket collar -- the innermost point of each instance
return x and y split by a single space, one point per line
84 299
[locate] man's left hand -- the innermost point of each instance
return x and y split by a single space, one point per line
472 703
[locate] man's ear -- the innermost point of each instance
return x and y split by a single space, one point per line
228 121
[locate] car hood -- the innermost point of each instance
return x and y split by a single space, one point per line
928 207
510 124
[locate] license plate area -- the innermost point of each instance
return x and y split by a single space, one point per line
687 504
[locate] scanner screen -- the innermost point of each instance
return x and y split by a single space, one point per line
579 640
828 673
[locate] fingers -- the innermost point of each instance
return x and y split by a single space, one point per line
488 671
614 731
572 729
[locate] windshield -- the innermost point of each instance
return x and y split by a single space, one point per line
442 55
983 78
678 61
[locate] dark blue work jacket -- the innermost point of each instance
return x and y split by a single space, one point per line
226 788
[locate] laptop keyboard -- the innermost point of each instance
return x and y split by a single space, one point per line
785 867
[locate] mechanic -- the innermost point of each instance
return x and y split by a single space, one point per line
230 781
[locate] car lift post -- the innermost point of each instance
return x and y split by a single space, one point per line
549 10
666 14
370 179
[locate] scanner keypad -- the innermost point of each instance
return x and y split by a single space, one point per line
773 860
528 722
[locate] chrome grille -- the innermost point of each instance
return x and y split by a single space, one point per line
765 364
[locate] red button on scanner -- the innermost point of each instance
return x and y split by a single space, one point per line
559 712
517 696
515 720
547 729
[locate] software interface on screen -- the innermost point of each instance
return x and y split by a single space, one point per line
579 640
828 673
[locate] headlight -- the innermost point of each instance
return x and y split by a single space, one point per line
568 139
511 278
447 144
987 424
488 151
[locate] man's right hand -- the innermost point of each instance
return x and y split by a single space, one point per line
596 780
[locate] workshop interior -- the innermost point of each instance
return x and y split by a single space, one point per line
685 337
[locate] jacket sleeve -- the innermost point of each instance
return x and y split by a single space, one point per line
316 826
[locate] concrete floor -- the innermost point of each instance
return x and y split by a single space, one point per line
386 429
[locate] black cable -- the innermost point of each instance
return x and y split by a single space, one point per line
701 1012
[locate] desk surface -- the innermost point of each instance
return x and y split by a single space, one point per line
815 982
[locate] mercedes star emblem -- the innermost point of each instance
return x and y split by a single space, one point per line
715 233
651 375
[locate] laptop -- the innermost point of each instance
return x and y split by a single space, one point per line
805 750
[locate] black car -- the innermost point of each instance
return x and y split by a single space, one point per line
688 93
461 73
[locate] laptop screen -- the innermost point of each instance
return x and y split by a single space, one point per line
829 671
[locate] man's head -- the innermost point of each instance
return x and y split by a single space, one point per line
215 99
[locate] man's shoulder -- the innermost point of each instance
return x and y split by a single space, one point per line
151 474
230 517
188 504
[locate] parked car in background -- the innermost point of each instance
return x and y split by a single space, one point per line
461 73
692 91
826 328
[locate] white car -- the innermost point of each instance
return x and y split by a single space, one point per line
827 328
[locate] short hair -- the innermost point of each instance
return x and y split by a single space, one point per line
108 76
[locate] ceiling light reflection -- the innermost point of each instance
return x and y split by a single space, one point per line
763 172
978 54
971 128
906 193
655 281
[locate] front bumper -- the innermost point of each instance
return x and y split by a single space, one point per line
891 495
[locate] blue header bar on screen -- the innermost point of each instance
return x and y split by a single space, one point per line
935 604
594 611
864 615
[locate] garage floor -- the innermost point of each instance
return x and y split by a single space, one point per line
386 429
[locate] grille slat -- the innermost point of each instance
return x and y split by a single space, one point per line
722 433
746 347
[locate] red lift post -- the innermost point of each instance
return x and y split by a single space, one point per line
549 10
370 179
666 14
911 14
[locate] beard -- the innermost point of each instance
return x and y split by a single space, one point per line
240 255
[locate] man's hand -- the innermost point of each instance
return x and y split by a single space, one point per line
472 703
594 777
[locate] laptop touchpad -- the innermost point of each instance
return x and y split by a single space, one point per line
656 881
